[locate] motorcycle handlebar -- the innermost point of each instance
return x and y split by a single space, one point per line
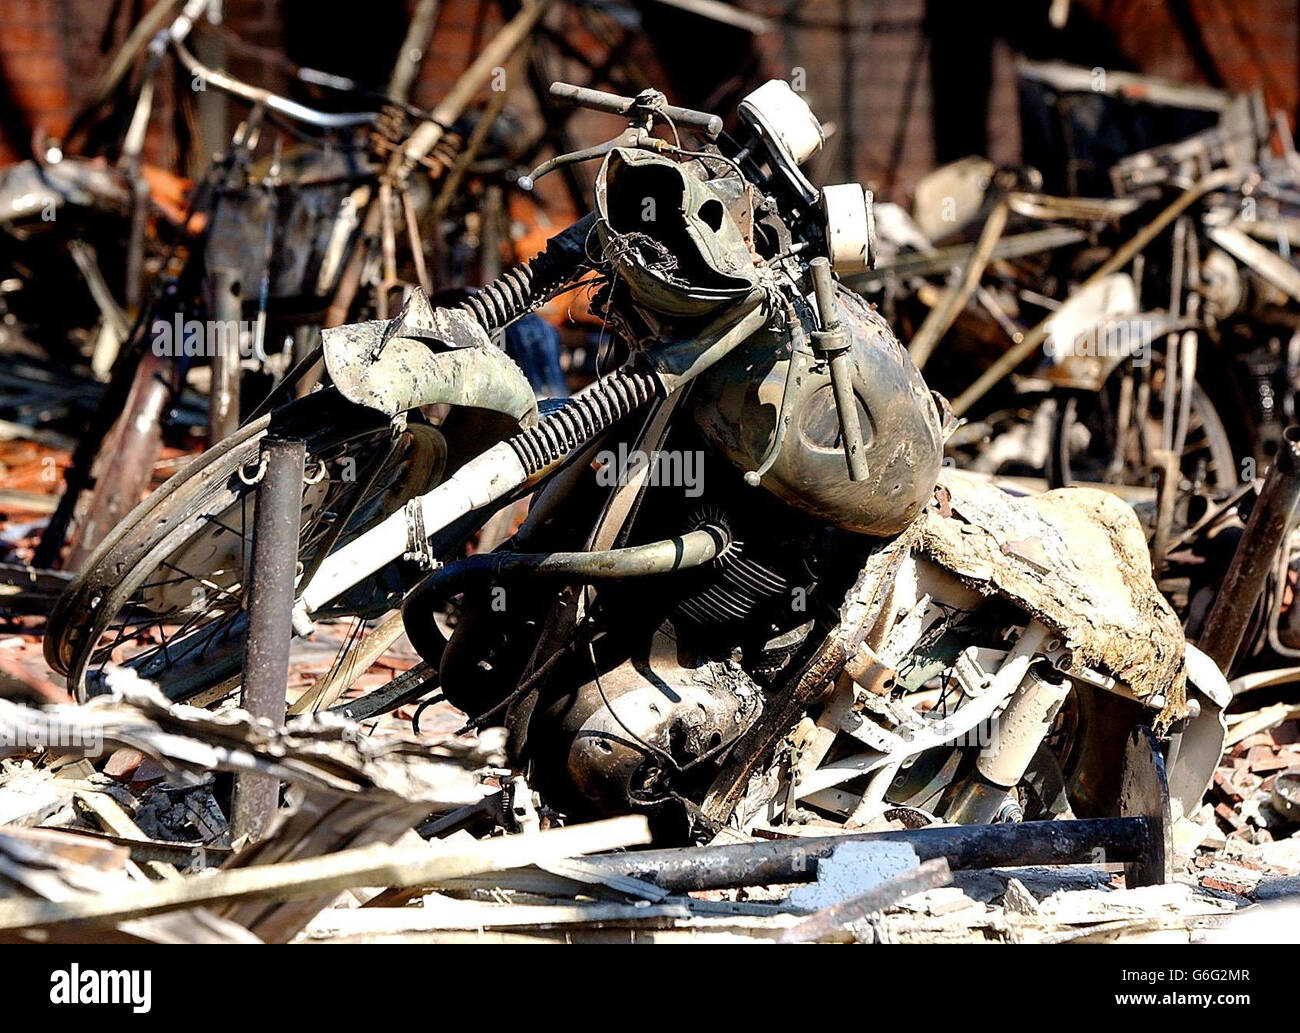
273 101
614 104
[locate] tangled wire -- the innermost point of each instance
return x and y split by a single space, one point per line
646 251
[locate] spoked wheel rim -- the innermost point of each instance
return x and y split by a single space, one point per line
176 612
1088 440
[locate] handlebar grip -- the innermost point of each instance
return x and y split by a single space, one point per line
709 125
597 100
614 104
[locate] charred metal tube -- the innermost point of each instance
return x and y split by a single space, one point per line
273 101
777 862
277 515
831 342
1021 728
599 100
1266 529
1141 839
693 549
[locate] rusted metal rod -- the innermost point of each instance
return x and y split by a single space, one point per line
1267 527
124 467
831 342
954 299
277 516
409 59
427 134
1140 840
1168 474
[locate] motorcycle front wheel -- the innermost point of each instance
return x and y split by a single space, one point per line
164 594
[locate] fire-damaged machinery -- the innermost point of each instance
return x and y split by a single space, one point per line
745 591
506 490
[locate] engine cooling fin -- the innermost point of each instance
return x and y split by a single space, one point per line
742 583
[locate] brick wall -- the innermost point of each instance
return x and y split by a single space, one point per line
867 66
1252 43
34 60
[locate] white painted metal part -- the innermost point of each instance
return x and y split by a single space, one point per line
480 481
786 117
849 227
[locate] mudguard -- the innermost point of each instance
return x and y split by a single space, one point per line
422 357
1076 559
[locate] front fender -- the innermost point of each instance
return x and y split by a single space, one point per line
1105 347
424 356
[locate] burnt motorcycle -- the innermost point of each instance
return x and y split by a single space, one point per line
746 591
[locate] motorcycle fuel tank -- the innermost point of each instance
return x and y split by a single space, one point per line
753 404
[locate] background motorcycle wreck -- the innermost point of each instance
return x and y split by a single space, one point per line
830 630
1125 313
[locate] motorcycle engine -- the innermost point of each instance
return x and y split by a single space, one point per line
669 671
